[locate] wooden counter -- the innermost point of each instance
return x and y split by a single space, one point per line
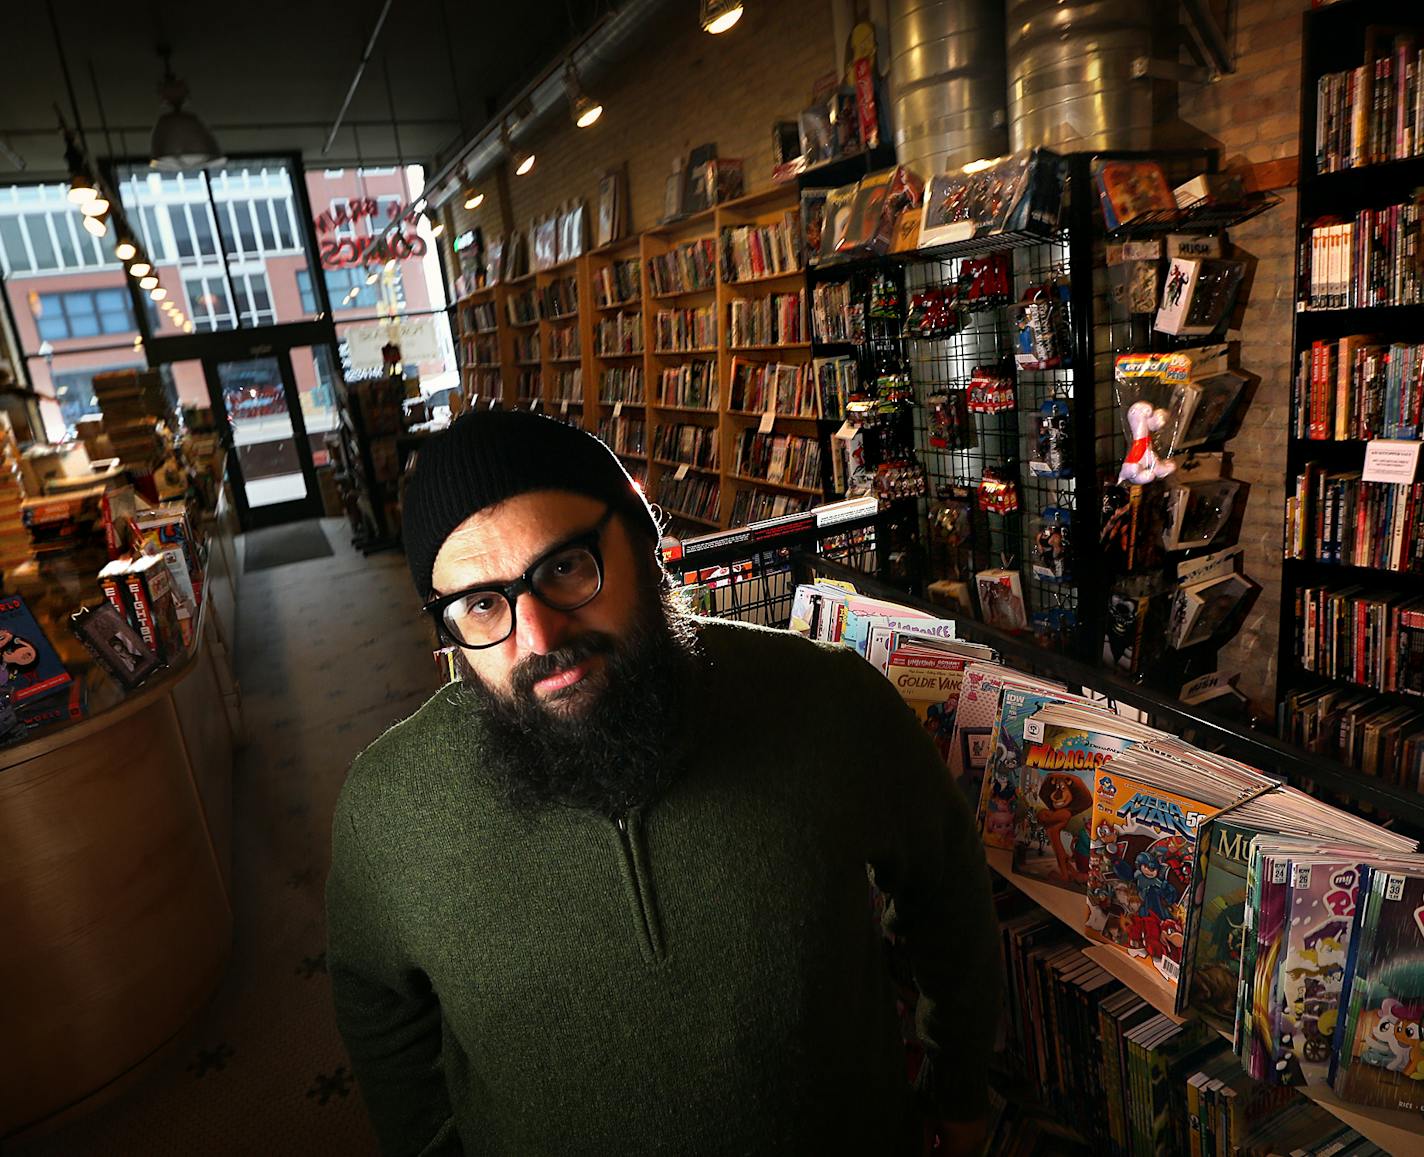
115 877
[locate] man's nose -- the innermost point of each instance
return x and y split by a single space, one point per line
539 628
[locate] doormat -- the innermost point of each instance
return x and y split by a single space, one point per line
279 545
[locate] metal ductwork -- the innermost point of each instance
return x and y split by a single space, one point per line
606 44
1071 75
948 77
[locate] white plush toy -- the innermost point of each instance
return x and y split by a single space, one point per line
1142 464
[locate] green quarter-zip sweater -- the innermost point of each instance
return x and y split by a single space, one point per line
701 976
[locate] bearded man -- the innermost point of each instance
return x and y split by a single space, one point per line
606 894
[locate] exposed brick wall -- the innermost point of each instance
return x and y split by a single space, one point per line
1252 116
680 88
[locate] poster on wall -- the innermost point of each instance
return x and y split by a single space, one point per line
415 336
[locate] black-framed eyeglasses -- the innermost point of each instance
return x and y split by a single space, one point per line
563 578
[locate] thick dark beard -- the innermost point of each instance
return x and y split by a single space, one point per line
619 751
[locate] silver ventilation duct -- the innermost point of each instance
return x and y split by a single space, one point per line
1071 84
948 78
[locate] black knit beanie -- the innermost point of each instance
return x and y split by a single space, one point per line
489 455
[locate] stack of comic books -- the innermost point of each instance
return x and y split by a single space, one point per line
1149 803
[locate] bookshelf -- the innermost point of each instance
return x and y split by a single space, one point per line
1356 338
558 292
763 324
679 268
1395 1132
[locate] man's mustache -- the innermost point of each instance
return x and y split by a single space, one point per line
531 670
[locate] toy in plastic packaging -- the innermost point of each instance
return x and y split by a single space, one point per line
1052 544
1152 393
951 527
985 282
934 314
897 480
818 135
1198 295
1052 441
1133 191
948 421
836 224
991 391
1042 340
1214 402
886 301
813 218
1019 193
1053 628
998 490
1131 532
1197 512
1134 285
1001 601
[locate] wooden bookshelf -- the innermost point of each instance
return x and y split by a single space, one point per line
519 319
1395 1132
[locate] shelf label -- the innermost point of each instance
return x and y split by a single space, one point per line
681 472
767 421
617 409
846 432
533 404
564 407
1389 461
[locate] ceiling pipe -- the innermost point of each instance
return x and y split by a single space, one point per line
356 80
592 55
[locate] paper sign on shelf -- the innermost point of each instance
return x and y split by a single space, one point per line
846 432
617 409
681 472
564 407
1390 461
533 404
767 421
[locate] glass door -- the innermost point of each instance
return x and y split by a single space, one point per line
269 452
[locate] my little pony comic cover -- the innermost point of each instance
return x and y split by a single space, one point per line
1379 1044
1305 998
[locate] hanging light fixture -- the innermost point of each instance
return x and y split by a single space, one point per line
139 268
148 282
96 226
125 249
187 327
584 109
158 293
473 200
96 206
180 140
437 226
719 15
82 188
521 160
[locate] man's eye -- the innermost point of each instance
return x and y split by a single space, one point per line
481 604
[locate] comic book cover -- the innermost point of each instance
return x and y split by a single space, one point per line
1380 1041
974 727
1139 868
1217 921
930 685
999 792
1257 983
1306 1000
1055 800
30 668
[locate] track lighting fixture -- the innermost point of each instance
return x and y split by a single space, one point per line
96 206
148 282
158 293
521 160
125 249
584 109
473 200
96 226
719 15
139 268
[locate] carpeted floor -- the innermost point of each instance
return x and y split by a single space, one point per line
330 652
284 545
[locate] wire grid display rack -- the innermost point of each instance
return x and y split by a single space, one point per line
1001 440
752 580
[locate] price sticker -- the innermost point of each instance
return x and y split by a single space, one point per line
767 421
1300 876
617 409
1033 730
681 472
1278 872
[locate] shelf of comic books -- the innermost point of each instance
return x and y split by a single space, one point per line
1207 887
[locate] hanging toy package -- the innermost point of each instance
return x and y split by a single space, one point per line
984 281
951 526
1054 628
1052 441
1052 544
1152 392
1042 338
934 314
998 490
948 421
991 391
885 300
